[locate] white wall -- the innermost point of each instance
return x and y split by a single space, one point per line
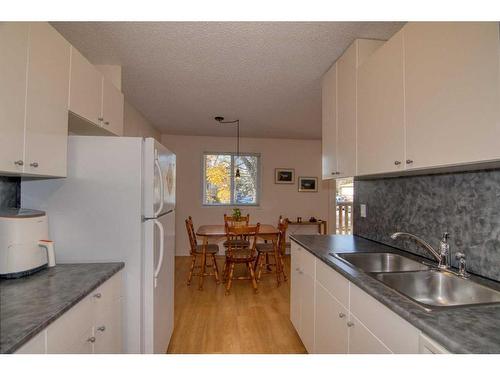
302 155
136 125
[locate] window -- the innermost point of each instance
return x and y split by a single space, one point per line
221 187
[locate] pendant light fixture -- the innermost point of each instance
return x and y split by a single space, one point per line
220 120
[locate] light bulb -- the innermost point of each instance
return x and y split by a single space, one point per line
238 172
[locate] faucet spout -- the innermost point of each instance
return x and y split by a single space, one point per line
420 241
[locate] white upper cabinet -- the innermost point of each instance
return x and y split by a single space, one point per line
34 70
112 108
380 142
451 93
329 123
97 103
47 102
85 93
339 110
13 63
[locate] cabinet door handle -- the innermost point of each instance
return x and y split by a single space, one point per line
409 161
34 164
100 119
106 122
297 269
98 295
341 315
91 339
101 328
397 162
350 324
19 162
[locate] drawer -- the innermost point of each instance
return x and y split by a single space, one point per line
308 263
72 330
107 295
336 284
362 341
395 332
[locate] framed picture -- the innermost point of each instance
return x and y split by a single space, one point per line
308 184
284 176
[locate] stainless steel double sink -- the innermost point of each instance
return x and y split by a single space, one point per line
423 284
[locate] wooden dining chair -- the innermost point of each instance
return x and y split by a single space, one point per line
237 254
196 252
234 222
274 247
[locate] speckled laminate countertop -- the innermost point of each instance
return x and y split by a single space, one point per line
29 304
471 329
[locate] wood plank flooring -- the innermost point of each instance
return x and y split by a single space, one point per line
208 321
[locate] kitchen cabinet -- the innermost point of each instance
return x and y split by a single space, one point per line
112 108
339 110
93 325
380 112
302 302
34 125
345 318
329 124
96 102
85 93
451 93
331 331
46 129
14 38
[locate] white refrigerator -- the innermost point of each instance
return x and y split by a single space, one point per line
118 204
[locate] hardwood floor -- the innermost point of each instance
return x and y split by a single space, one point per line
210 322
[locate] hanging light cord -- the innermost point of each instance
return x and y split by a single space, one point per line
220 119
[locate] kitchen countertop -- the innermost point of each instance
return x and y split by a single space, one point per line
468 329
30 304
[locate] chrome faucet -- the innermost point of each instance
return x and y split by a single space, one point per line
442 257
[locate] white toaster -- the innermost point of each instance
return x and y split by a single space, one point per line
24 244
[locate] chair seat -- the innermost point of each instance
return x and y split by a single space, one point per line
265 247
212 248
237 243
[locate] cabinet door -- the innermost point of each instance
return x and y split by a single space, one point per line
295 288
330 331
85 92
112 108
381 110
13 65
329 124
47 102
451 78
346 112
362 341
307 311
35 346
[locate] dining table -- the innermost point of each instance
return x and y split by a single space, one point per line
216 231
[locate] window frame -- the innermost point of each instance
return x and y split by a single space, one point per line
232 177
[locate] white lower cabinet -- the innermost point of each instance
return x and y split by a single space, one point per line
345 319
93 325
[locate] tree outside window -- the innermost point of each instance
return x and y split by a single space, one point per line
222 187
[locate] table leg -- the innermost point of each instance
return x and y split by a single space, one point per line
203 262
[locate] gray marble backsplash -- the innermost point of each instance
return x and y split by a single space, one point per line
467 205
10 190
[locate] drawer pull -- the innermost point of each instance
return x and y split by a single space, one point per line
350 324
397 162
341 315
106 122
19 162
91 339
98 295
101 328
34 164
409 161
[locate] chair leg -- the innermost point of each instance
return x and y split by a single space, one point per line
191 269
277 267
252 275
257 262
216 269
225 271
261 266
282 267
230 278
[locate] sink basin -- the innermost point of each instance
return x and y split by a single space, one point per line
381 262
439 289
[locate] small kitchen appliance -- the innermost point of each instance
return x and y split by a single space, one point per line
24 244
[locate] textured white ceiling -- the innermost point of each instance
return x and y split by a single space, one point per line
181 74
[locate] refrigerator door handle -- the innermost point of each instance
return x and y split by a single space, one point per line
162 188
160 259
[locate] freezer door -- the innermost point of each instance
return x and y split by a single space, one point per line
159 178
158 304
